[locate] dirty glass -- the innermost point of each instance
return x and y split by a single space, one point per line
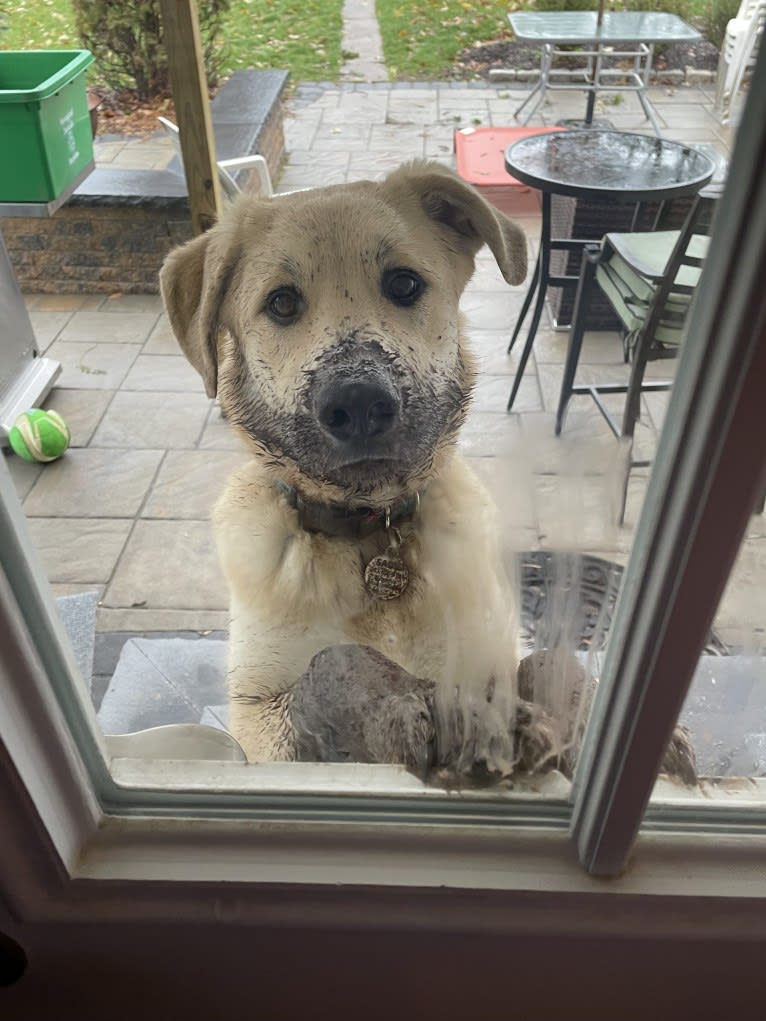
122 522
722 725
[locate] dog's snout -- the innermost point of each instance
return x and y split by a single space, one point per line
357 410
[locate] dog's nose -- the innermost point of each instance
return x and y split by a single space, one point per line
357 410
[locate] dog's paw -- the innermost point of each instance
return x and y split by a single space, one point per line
354 704
401 730
537 739
680 759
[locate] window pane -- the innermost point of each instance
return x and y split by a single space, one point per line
724 716
122 522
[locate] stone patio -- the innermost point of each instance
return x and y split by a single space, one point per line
126 511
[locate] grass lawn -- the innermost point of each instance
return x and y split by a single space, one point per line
422 39
303 37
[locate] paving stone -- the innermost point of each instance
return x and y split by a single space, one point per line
491 395
602 347
97 326
489 349
94 483
65 302
71 588
153 419
219 435
578 512
105 152
169 565
491 310
389 138
190 481
464 114
79 551
486 277
162 340
403 111
365 104
372 166
509 481
342 138
91 366
322 162
82 410
486 434
163 372
152 619
23 474
163 681
300 132
47 325
585 446
151 303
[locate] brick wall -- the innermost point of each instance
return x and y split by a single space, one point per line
99 248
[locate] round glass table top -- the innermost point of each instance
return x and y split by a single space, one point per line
602 164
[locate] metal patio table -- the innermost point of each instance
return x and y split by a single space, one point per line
622 35
606 166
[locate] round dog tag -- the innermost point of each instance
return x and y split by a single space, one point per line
386 576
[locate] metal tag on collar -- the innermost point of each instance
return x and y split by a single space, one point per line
387 576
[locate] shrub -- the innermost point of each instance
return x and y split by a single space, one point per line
126 38
714 18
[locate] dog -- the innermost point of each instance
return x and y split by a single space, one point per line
327 323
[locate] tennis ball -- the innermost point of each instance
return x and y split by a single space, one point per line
39 435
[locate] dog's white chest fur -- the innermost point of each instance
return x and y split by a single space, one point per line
294 593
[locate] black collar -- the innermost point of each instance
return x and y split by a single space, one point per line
348 522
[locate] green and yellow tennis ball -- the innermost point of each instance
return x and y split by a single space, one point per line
39 435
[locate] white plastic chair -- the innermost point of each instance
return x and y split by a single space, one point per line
738 54
226 168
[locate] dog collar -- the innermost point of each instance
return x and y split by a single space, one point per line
348 522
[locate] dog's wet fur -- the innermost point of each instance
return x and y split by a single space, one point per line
327 324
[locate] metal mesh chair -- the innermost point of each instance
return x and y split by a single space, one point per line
649 279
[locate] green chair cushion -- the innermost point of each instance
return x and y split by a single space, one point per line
633 311
640 259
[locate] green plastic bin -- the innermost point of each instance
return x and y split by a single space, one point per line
45 133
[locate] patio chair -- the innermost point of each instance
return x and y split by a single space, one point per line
226 168
738 54
649 279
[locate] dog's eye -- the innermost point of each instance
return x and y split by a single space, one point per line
283 305
402 286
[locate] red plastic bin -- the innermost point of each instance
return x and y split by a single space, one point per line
479 158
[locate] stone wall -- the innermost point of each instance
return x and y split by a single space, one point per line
95 248
115 231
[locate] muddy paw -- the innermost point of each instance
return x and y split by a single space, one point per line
680 760
537 738
402 731
355 705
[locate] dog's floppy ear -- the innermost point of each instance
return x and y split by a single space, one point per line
450 201
193 284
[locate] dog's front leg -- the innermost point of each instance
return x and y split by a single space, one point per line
262 726
266 658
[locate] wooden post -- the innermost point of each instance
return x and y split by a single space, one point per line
187 77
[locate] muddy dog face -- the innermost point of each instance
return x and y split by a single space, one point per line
327 322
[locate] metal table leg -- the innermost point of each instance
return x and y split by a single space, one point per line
542 272
539 90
